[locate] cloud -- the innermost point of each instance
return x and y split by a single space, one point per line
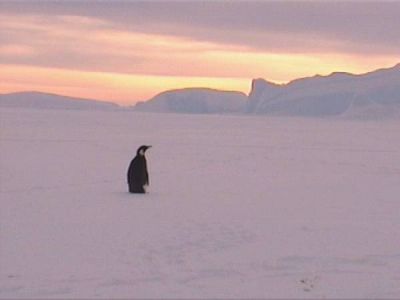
93 44
169 44
291 26
11 50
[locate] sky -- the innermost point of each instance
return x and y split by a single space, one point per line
129 51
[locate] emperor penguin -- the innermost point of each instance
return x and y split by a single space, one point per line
138 176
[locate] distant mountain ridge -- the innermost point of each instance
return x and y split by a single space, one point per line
332 95
40 100
374 94
195 100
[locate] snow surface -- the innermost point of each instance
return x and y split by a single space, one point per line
238 207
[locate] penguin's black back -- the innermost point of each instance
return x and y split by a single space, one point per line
137 174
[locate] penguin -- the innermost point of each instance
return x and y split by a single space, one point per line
137 176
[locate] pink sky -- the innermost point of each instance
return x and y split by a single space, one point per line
130 51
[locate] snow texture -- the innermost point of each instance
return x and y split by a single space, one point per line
238 207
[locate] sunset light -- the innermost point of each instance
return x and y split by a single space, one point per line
124 58
199 149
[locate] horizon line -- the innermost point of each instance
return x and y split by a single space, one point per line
397 65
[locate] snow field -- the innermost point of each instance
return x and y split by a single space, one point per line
238 206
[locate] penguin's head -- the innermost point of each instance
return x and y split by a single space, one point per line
142 149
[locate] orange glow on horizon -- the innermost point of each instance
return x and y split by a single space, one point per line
91 58
127 89
123 89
